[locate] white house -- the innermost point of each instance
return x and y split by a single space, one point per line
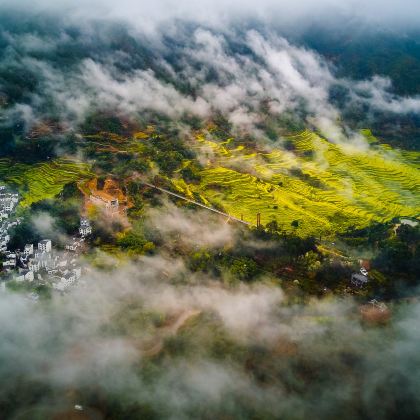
8 206
34 265
77 272
65 281
9 264
45 245
85 228
45 260
25 275
28 250
74 245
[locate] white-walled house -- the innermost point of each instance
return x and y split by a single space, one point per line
85 228
77 271
75 245
25 275
45 245
8 206
45 260
28 250
34 265
65 281
9 264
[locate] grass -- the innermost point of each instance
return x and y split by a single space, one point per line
43 180
326 187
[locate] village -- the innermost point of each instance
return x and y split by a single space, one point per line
40 263
8 203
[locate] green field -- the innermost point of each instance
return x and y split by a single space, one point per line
326 187
43 180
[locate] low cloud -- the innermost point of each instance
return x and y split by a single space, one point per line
277 358
218 14
274 74
377 93
197 228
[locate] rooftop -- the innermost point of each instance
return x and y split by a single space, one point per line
359 277
103 195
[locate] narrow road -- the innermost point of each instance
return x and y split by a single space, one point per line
196 203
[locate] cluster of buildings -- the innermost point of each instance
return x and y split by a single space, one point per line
85 229
8 203
45 265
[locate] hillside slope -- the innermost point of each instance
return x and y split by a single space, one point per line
322 187
43 180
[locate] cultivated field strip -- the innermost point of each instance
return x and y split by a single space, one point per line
43 180
325 187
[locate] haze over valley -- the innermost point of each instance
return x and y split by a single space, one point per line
209 210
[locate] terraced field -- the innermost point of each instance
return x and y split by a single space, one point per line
323 187
43 180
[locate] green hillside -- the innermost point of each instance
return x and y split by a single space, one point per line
325 187
40 181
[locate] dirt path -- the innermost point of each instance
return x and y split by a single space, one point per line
169 331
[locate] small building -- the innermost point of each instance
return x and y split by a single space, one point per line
8 206
358 280
64 282
62 263
77 271
25 275
9 263
103 199
85 228
34 265
73 246
45 245
28 250
44 259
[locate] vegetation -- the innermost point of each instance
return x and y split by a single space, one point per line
42 180
395 250
318 188
214 337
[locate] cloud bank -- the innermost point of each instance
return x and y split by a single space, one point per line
217 13
187 349
244 76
